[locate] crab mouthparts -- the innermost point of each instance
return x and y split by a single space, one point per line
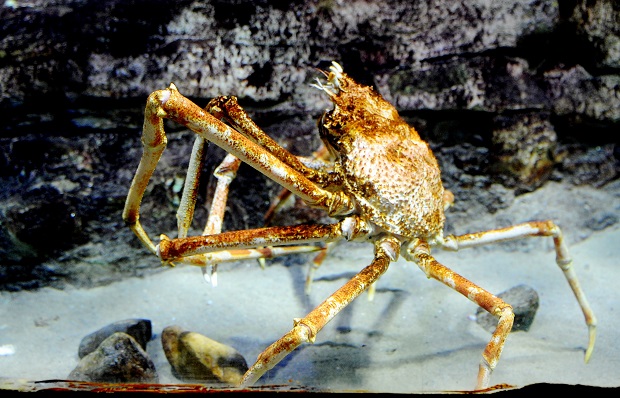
332 85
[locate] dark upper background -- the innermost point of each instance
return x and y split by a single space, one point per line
510 95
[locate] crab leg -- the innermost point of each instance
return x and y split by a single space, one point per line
316 161
420 254
225 173
277 204
315 264
153 146
258 253
174 249
208 262
171 104
351 228
228 108
563 259
305 329
154 142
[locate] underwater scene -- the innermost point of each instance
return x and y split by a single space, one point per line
320 196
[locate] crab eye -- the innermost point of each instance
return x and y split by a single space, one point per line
327 125
330 131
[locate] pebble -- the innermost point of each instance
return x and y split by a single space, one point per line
118 359
139 329
197 358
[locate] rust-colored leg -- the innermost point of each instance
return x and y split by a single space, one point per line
305 329
169 103
419 252
563 259
317 161
227 108
180 249
208 262
153 145
319 164
315 264
225 173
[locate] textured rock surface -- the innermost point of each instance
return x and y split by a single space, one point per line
472 78
118 359
139 329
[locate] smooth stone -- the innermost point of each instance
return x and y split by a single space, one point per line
139 329
524 301
118 359
195 357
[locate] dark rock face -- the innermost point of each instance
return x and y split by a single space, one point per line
508 94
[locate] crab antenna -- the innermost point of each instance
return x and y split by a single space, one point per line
323 87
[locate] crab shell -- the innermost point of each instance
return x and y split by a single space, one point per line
388 169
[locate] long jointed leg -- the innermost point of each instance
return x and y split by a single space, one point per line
227 108
153 145
154 142
185 212
352 228
419 252
563 259
314 265
224 173
306 329
171 104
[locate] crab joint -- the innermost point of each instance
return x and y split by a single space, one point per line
164 246
390 246
354 228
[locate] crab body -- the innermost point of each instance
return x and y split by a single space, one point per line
384 162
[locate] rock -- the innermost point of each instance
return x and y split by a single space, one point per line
592 165
28 222
72 99
195 357
524 301
118 359
598 28
524 150
139 329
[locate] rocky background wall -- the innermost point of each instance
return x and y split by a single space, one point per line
511 95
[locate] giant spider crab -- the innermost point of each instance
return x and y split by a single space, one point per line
383 187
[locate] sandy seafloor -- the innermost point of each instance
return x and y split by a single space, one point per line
417 335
